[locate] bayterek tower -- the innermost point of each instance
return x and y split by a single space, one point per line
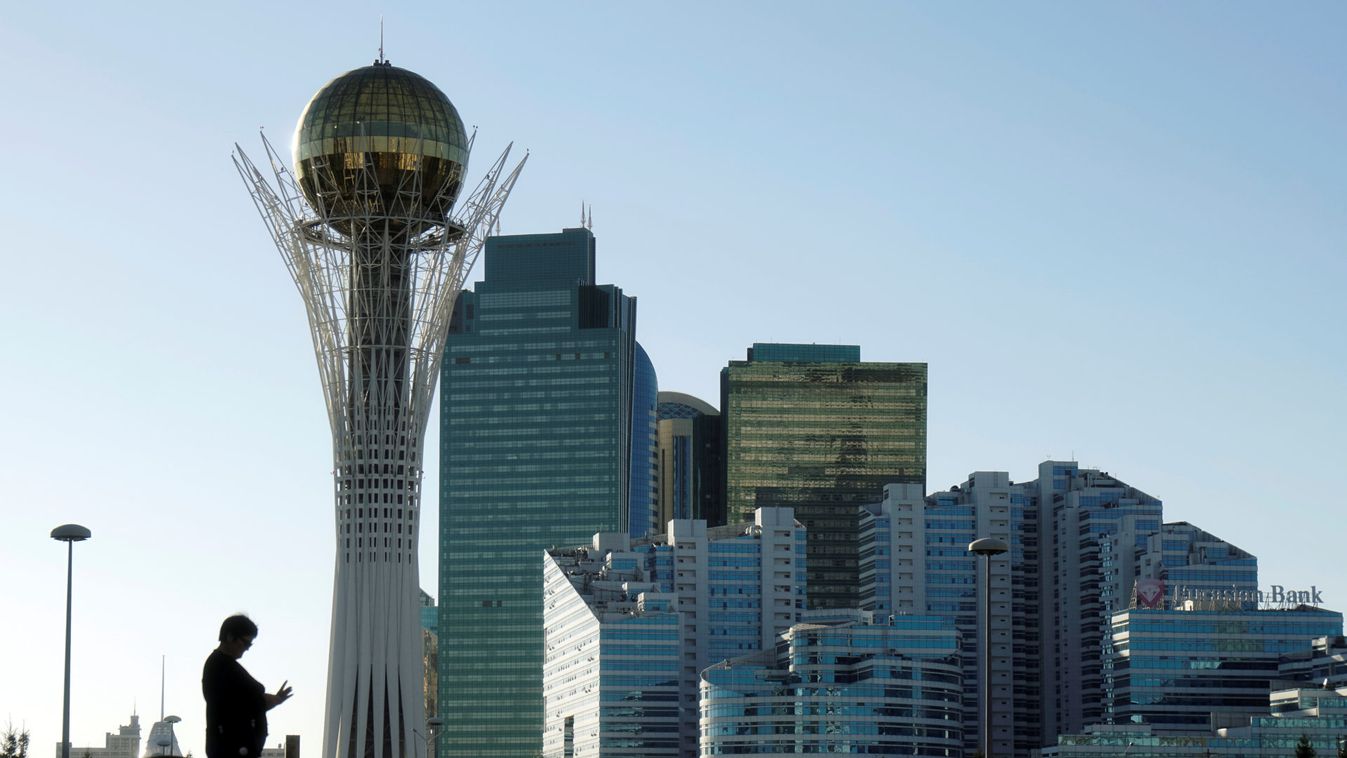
368 226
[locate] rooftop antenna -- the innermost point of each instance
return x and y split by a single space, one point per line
161 686
582 214
589 223
381 39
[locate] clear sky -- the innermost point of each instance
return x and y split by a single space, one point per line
1114 231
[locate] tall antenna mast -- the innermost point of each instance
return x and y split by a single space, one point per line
161 686
381 40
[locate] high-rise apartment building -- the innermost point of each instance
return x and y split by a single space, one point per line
915 560
612 652
535 451
814 428
1053 595
1086 573
613 682
689 452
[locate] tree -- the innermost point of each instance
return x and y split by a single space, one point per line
13 743
1304 749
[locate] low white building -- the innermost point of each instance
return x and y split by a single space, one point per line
124 744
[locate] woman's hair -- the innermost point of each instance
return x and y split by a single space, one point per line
237 627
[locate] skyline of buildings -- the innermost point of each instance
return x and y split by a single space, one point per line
1166 660
205 387
1082 542
551 427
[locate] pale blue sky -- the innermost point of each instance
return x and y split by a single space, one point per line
1113 231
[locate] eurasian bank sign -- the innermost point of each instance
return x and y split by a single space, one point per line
1150 593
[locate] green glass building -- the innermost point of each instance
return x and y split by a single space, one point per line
535 452
812 427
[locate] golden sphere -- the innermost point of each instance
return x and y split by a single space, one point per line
377 143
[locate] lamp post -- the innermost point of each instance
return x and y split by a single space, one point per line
171 720
69 534
433 725
987 547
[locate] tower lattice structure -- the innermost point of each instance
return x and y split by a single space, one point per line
367 225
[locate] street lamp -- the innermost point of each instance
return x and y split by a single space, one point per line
170 720
69 534
987 547
433 725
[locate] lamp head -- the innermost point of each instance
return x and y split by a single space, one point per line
71 533
988 546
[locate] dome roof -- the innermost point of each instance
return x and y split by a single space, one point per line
381 101
383 118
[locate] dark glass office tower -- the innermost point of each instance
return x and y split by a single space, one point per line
690 456
535 451
811 426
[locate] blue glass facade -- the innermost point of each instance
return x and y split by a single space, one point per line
1193 562
852 687
1173 669
611 660
535 450
705 594
737 572
644 496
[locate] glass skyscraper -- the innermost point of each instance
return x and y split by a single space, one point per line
644 500
812 427
535 450
689 450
